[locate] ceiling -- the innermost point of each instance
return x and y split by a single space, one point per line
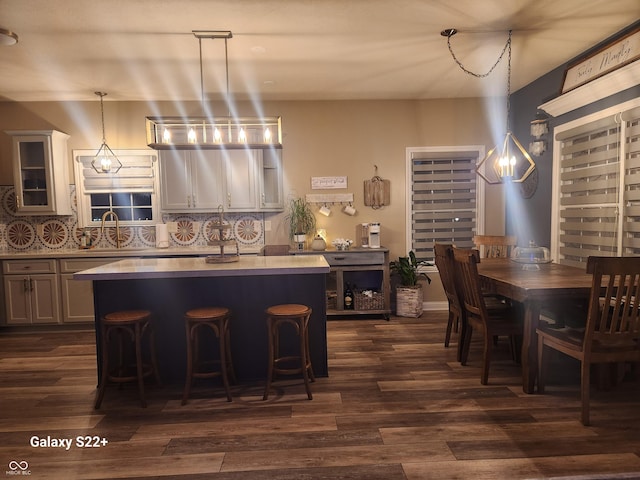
291 49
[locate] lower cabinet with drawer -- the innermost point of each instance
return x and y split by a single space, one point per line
31 291
366 271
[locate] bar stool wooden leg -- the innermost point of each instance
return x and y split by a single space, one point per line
217 319
304 357
298 316
134 323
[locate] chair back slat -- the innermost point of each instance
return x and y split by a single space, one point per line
495 246
614 311
466 270
444 263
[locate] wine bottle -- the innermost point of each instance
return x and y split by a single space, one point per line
348 298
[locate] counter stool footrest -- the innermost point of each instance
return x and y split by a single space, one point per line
298 316
216 319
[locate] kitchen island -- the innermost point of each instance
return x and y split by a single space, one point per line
168 287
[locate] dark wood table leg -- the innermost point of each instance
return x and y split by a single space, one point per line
530 346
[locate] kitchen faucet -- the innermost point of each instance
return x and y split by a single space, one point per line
112 214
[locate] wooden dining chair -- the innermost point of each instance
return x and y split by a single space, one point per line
495 246
612 331
502 320
444 262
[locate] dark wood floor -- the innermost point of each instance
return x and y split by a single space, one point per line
396 406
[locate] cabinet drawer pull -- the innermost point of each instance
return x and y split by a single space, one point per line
25 285
339 258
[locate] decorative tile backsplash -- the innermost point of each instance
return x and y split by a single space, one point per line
25 233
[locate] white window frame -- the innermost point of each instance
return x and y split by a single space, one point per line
131 178
557 145
480 188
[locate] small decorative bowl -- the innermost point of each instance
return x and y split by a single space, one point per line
342 243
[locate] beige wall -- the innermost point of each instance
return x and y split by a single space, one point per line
335 138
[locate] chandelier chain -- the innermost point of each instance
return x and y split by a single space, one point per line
478 75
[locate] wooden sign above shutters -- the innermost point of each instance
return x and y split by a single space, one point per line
377 192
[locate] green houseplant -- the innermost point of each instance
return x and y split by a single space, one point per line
409 295
301 219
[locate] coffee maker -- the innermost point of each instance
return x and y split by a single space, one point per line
374 235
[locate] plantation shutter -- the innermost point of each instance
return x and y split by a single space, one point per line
443 200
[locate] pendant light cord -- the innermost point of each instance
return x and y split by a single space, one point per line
508 84
226 68
102 94
201 75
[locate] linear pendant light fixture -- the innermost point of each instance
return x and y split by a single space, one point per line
509 162
209 132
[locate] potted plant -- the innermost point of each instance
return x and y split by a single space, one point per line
409 296
301 220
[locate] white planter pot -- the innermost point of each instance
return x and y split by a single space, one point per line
300 241
409 301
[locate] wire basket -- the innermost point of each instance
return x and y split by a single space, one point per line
368 300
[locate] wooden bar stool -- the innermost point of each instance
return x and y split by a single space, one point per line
217 319
297 316
134 323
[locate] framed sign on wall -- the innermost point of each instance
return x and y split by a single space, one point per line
321 183
616 54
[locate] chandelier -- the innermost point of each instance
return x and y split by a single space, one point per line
508 161
208 132
105 161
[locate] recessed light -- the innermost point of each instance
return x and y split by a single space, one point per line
7 37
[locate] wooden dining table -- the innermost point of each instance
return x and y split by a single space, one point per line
548 285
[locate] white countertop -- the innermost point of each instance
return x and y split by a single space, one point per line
145 268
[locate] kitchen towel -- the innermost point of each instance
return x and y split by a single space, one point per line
162 235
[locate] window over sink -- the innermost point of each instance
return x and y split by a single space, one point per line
132 193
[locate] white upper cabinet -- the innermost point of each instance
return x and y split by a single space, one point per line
40 172
270 181
242 180
190 181
240 173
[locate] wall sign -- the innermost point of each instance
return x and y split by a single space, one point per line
618 53
321 183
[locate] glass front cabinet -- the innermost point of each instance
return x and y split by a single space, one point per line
40 172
